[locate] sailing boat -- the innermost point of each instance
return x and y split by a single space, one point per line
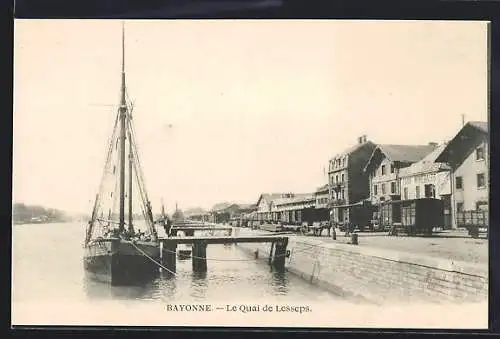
115 250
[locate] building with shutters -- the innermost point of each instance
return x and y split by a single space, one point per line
348 183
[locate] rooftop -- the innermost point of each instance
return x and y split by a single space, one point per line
352 149
468 129
482 125
427 164
302 197
322 188
406 153
400 153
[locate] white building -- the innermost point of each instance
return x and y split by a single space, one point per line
467 154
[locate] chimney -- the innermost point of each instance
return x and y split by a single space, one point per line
364 137
433 144
360 140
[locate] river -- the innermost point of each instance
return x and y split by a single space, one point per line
49 288
47 267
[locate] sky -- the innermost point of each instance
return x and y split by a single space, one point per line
254 106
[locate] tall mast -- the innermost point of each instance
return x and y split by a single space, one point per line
123 119
130 177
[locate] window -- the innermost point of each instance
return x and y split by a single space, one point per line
460 206
383 169
342 178
458 183
343 162
481 182
405 193
392 168
430 191
480 153
417 192
383 188
342 195
336 178
393 188
375 191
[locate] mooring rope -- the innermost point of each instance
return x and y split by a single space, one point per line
218 259
209 259
147 256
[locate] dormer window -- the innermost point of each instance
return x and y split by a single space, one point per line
383 169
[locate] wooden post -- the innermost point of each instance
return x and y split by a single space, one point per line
280 254
271 253
199 254
228 234
354 238
169 255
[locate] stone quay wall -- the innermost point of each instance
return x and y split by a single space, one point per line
377 275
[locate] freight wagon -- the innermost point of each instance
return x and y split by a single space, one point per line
359 215
421 216
476 222
389 214
414 216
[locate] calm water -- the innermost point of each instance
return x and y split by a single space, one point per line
47 265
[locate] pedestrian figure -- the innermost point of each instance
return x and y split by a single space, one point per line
347 227
167 225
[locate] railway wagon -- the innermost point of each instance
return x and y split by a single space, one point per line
359 215
476 222
389 213
421 216
362 216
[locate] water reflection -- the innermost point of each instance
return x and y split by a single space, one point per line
279 283
199 285
167 274
166 287
101 290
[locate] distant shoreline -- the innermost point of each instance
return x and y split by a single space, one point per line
41 222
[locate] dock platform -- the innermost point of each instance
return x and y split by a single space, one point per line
277 254
225 239
200 228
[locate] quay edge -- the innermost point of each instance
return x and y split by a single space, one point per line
380 276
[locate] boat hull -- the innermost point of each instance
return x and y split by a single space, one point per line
119 262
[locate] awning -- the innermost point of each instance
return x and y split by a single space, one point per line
359 203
